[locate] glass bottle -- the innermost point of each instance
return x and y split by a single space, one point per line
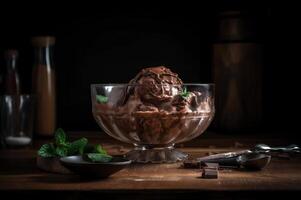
237 72
12 82
44 87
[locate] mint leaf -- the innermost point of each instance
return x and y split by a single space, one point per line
60 137
99 149
101 99
77 147
66 145
90 148
185 93
97 157
61 151
47 151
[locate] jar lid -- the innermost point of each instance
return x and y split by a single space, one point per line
43 41
237 26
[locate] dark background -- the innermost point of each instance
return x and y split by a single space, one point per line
111 43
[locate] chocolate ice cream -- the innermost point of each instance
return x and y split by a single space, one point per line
155 108
154 85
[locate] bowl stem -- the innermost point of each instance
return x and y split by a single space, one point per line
156 154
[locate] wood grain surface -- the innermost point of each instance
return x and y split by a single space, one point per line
18 172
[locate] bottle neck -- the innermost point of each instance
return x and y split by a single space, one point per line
43 56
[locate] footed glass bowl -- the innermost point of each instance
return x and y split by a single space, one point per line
153 117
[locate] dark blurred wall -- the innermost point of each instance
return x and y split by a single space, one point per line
110 44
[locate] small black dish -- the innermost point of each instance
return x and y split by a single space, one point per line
79 166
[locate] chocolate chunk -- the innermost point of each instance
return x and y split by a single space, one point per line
210 165
209 170
209 173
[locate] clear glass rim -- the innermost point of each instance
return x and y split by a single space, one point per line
127 84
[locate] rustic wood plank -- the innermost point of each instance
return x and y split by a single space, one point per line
18 172
153 176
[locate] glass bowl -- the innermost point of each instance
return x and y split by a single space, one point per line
153 117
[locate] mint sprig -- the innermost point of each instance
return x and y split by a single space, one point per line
47 151
185 93
61 151
98 149
101 99
97 157
78 146
62 147
60 137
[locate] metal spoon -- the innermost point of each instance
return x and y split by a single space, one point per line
252 161
255 158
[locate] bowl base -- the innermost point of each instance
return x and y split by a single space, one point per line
147 154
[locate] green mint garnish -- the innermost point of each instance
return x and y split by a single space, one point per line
90 148
101 99
99 149
60 137
185 93
47 151
62 147
78 146
61 151
97 157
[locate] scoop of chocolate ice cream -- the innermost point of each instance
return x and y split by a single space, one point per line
154 108
155 85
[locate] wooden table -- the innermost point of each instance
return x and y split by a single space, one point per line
19 175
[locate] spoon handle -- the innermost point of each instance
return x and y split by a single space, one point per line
288 149
223 155
224 162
